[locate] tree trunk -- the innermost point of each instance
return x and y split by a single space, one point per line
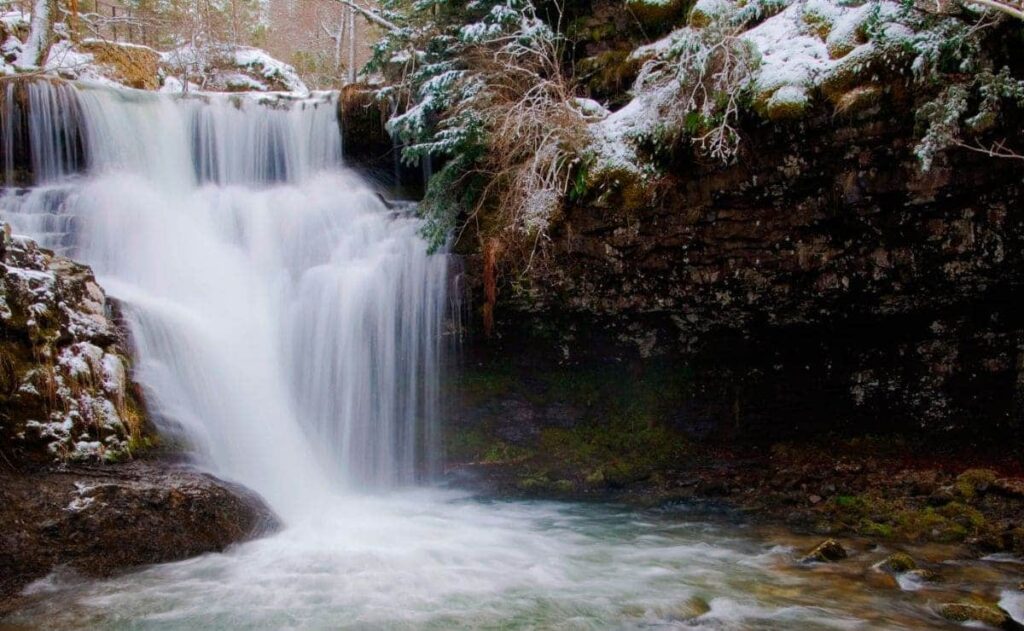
40 35
351 46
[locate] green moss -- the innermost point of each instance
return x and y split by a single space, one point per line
478 444
845 501
699 18
480 385
532 481
613 434
973 612
543 482
818 22
828 551
467 444
848 73
899 562
659 16
609 75
969 518
972 481
874 529
875 516
503 452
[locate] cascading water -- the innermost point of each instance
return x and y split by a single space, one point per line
288 325
286 322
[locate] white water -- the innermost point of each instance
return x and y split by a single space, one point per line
288 328
287 324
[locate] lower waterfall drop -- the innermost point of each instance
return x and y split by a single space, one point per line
287 324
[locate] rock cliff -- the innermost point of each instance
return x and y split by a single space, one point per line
822 281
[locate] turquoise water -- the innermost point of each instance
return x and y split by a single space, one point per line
433 559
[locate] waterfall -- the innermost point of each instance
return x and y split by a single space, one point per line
287 325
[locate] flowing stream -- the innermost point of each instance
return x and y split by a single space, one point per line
288 329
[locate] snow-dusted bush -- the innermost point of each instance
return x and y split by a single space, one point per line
487 92
697 84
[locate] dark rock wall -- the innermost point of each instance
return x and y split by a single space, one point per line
368 148
822 282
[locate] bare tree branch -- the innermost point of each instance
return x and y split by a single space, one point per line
1010 8
997 149
370 16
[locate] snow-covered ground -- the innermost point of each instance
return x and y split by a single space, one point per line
215 69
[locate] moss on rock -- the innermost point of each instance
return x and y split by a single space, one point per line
972 482
135 66
828 551
974 612
787 103
656 14
899 563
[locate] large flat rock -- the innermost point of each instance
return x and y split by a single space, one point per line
99 520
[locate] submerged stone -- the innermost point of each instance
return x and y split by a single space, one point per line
898 563
972 612
828 551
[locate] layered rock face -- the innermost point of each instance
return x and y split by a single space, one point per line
65 392
822 282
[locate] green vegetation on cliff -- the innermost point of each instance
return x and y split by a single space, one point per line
498 92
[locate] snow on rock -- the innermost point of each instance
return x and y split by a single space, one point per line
65 61
122 64
259 61
66 392
801 47
590 108
229 69
790 53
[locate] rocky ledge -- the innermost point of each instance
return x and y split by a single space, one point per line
98 520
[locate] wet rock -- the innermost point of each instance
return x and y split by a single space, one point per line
898 563
882 580
694 607
1010 487
65 374
983 613
822 282
103 519
828 551
941 496
924 576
